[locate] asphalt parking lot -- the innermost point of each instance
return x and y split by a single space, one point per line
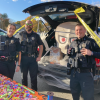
59 94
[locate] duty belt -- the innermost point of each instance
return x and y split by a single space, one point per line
81 70
4 58
29 55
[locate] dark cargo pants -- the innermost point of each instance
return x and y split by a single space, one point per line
7 68
82 82
29 64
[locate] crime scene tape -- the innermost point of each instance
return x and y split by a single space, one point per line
95 37
24 25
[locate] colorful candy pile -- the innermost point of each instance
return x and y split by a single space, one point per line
11 90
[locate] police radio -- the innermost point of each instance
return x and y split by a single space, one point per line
68 69
69 66
72 51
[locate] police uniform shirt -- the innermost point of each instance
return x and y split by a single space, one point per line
85 61
37 37
8 49
29 42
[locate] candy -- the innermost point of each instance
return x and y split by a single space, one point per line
11 90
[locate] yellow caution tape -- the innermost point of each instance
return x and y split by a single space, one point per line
79 10
24 25
95 37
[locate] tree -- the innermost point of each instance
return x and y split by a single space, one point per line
0 20
5 24
18 22
4 16
37 24
22 22
4 21
28 18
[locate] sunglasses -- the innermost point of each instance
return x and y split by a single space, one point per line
28 24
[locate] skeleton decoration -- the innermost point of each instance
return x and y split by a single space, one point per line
65 33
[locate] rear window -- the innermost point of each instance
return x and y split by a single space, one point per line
86 16
43 26
62 16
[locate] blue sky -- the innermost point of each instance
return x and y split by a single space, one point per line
14 8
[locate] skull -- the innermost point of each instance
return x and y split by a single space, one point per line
65 33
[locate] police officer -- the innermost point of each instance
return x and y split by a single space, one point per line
82 53
29 43
9 46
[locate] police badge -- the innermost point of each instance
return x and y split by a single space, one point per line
12 41
83 45
33 38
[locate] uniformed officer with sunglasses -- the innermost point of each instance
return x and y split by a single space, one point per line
29 43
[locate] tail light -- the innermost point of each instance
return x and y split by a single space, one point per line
71 17
97 62
38 49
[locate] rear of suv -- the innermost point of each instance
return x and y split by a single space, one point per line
62 20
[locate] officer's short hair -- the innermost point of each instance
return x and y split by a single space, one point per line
12 24
30 21
79 24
